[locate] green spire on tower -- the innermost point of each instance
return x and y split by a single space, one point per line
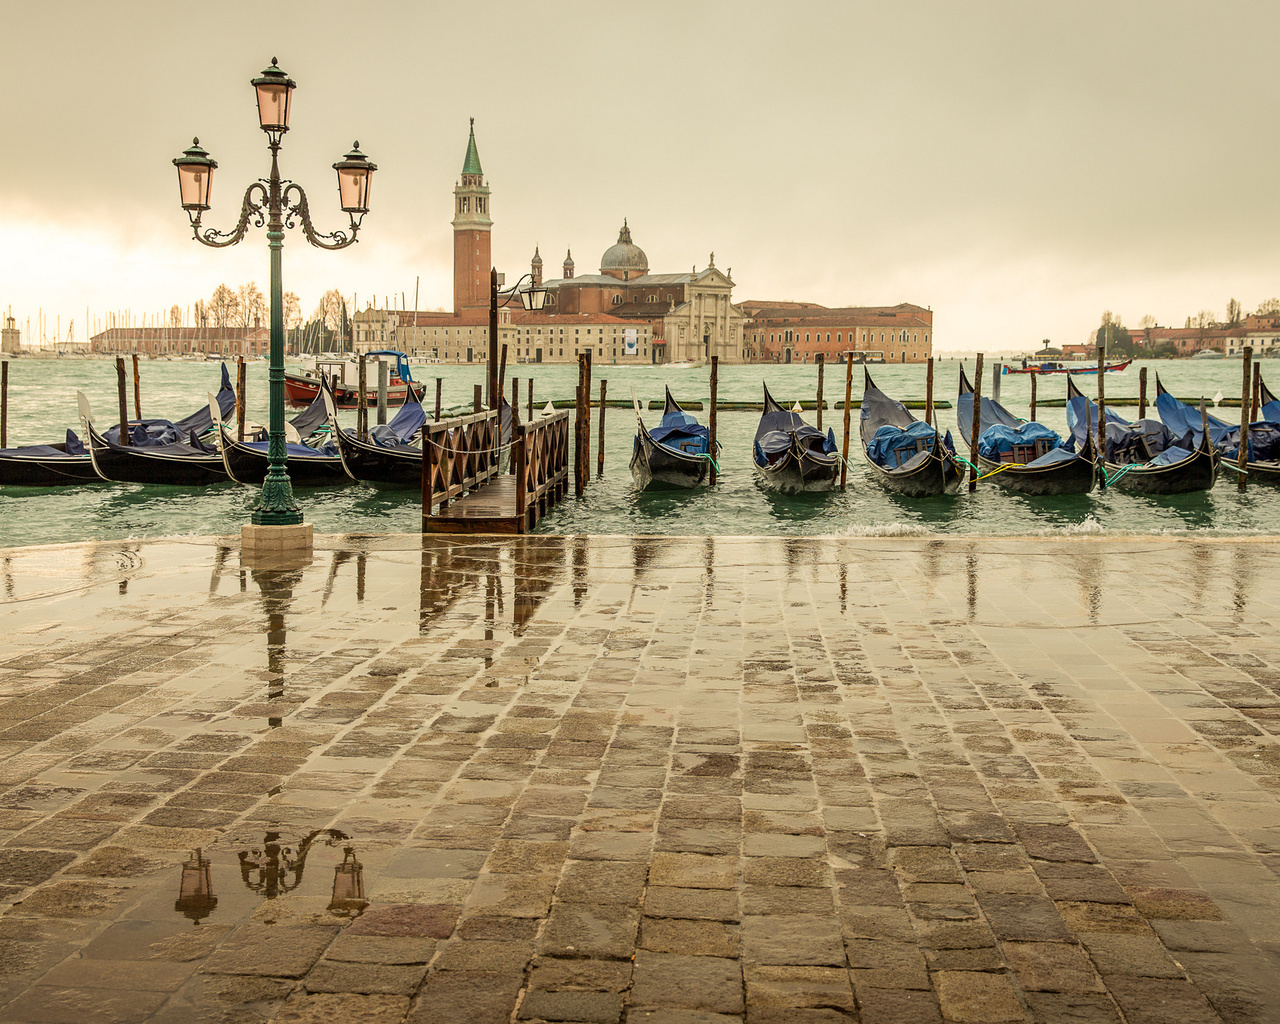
471 165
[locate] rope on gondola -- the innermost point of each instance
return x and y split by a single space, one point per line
706 455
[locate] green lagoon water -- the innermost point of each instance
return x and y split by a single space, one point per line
42 403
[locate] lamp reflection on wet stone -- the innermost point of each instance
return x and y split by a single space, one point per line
348 886
195 893
276 867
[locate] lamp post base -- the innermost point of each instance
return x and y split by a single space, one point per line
275 540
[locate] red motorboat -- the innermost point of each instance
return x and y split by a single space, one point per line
1046 368
301 389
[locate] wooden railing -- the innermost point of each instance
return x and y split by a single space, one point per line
540 462
458 455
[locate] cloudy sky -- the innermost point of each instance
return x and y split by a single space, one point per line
1018 166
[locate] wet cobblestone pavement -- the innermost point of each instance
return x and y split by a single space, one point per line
671 781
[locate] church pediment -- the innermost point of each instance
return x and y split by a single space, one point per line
712 277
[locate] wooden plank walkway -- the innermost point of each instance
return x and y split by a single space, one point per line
490 508
463 492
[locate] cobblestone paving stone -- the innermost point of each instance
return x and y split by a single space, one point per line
660 780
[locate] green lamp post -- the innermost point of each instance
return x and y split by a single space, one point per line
278 204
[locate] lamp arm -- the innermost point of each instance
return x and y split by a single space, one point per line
250 210
510 293
298 212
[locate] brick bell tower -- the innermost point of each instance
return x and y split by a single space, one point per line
472 255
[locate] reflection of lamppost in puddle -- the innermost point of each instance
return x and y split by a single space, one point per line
276 868
195 893
276 586
348 886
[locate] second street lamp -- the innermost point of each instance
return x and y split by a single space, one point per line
278 204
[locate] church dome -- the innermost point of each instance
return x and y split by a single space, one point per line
624 258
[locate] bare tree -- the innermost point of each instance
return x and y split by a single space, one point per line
292 311
1108 318
329 311
252 305
224 306
1203 319
175 316
1269 308
201 312
1148 322
1233 312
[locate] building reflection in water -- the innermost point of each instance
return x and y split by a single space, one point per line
196 900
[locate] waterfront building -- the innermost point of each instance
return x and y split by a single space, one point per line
791 332
158 342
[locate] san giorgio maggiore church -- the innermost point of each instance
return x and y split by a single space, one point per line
624 313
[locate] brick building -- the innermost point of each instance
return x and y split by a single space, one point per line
790 332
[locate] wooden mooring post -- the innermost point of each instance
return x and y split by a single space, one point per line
711 421
1142 394
821 367
848 404
586 419
1034 375
362 402
1242 477
384 379
502 378
1102 417
137 389
529 385
122 388
439 388
928 393
604 388
579 484
477 398
242 380
1256 406
4 404
976 426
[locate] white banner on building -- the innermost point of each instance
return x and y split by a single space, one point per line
630 334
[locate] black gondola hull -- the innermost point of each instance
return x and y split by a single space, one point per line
933 476
153 465
1197 473
1076 476
654 466
380 467
799 473
46 471
249 466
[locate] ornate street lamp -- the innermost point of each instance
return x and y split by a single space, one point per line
532 298
278 204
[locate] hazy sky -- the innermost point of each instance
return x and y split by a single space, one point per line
1017 166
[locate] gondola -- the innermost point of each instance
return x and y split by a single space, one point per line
1145 456
188 463
386 458
789 455
69 462
1269 407
1020 458
1264 435
676 453
246 462
906 455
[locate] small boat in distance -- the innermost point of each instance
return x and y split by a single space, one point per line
1048 368
1143 456
1023 456
676 453
907 456
789 455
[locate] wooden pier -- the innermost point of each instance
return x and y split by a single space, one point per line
462 488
